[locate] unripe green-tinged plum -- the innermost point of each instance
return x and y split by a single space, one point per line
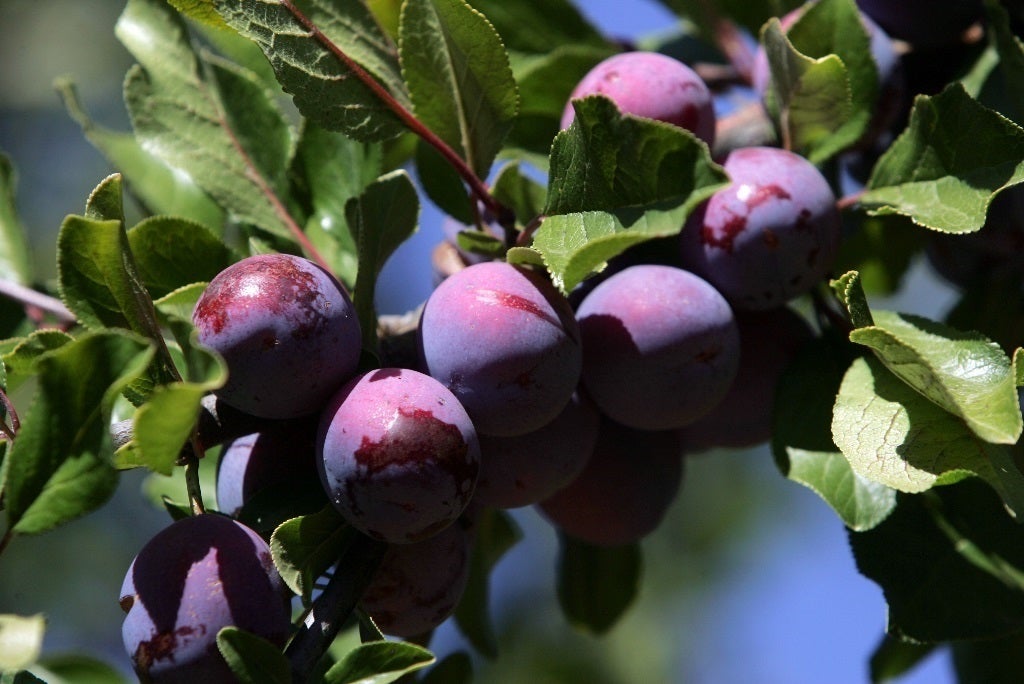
625 490
770 235
769 341
287 330
522 470
418 586
398 455
651 85
505 342
192 579
924 23
660 347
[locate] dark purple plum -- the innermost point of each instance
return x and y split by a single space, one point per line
660 347
418 586
769 341
770 235
625 490
287 330
650 85
192 579
505 342
398 455
522 470
924 23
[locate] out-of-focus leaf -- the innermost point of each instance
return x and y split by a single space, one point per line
201 11
456 668
15 259
989 661
750 14
894 657
596 584
540 26
21 641
881 249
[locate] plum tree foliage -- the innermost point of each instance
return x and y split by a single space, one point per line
634 269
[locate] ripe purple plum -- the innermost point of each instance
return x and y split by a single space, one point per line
398 455
505 342
418 586
924 23
287 330
660 347
192 579
769 341
770 235
625 490
519 471
650 85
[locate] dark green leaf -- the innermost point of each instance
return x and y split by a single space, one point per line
443 184
253 659
60 466
479 242
172 252
519 192
21 641
73 668
496 533
881 249
308 62
20 360
305 547
23 677
1010 51
15 259
751 14
941 178
596 584
457 668
992 661
540 26
894 657
378 662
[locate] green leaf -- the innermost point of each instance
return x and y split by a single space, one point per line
21 641
607 161
540 26
23 677
894 657
73 668
172 252
15 258
60 466
751 14
519 192
1010 51
20 361
253 659
380 219
496 533
442 184
941 178
850 292
456 668
992 661
201 11
881 249
596 584
159 188
310 65
802 437
378 662
209 118
304 548
459 78
892 435
950 563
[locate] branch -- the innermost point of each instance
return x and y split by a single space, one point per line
29 297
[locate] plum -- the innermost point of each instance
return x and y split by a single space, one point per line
287 330
397 455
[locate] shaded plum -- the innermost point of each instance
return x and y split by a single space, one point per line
769 341
418 586
770 235
924 23
398 455
505 342
625 490
287 330
650 85
660 347
522 470
192 579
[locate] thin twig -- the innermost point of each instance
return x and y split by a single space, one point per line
849 201
30 297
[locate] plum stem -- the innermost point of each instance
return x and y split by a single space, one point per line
192 485
849 200
5 540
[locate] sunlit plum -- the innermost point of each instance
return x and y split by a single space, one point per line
398 455
505 342
418 586
650 85
660 347
770 235
192 579
625 490
522 470
287 330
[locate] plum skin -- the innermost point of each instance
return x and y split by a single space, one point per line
397 455
189 581
650 85
505 342
287 331
771 235
660 347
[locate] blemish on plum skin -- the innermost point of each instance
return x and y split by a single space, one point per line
725 237
514 301
416 436
161 647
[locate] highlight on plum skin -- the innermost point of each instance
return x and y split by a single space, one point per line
192 579
397 455
287 330
660 347
771 235
651 85
505 342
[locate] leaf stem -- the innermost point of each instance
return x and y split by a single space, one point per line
30 297
730 40
849 201
6 540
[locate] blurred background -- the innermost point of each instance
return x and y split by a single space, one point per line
749 580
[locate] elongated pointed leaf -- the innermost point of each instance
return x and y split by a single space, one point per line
309 44
378 662
596 584
305 547
15 260
459 77
253 659
941 178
